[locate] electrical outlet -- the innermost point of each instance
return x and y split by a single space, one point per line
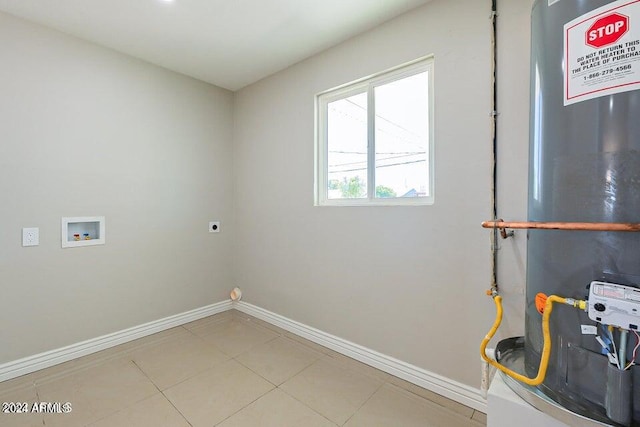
30 236
214 227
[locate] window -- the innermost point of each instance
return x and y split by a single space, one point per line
374 143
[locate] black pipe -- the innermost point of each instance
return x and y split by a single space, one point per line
494 117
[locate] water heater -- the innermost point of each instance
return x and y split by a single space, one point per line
585 167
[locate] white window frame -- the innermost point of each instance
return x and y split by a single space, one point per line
368 85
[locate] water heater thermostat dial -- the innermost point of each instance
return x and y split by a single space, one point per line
615 305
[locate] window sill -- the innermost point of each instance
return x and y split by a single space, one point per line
422 201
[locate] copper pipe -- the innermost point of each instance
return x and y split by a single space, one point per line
582 226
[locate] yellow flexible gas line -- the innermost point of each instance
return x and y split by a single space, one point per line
546 348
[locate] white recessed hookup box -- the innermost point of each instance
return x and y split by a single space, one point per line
82 231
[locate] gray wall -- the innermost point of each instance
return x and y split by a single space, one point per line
513 156
406 281
87 131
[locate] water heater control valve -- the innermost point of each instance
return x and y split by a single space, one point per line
615 305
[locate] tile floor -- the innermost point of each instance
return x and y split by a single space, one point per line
227 370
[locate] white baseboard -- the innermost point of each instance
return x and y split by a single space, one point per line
454 390
36 362
431 381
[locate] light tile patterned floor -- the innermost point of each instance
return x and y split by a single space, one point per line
230 370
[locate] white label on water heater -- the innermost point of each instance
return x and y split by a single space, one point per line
589 329
602 52
615 305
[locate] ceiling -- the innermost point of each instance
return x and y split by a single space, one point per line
229 43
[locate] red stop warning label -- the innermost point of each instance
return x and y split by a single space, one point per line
607 30
602 52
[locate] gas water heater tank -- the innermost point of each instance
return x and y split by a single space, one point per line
584 167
